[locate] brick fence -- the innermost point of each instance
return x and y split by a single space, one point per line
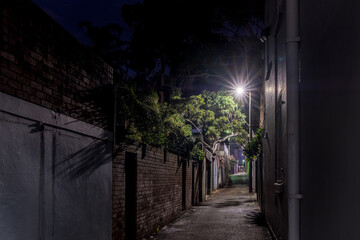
163 186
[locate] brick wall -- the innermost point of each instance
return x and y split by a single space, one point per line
118 196
159 190
42 63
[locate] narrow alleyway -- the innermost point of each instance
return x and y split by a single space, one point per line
229 213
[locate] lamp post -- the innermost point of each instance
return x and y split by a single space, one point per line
250 137
240 91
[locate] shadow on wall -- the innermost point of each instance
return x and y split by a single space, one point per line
83 162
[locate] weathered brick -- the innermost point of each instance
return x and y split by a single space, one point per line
36 56
7 89
41 95
30 60
8 56
48 63
8 73
47 76
36 85
52 59
47 90
42 56
159 191
28 89
23 80
46 104
14 84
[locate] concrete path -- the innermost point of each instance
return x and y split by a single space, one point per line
229 213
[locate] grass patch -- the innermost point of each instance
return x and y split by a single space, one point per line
239 179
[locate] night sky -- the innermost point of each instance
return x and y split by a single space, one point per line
69 13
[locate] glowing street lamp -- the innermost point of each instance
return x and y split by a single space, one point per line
240 90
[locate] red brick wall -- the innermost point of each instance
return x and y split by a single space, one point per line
118 196
159 191
42 63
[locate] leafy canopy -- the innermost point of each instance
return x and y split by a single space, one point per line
209 118
216 117
254 146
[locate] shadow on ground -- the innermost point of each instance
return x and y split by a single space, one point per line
233 203
256 218
227 204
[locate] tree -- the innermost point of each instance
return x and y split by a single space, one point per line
107 42
142 119
216 117
175 43
183 44
253 147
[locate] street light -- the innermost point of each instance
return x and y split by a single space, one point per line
241 91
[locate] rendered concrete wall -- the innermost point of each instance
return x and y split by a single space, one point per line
274 161
55 175
330 116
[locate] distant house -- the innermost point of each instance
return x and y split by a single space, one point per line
221 164
310 187
216 170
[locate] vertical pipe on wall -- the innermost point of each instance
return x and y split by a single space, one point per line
292 75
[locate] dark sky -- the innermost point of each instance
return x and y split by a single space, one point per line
100 12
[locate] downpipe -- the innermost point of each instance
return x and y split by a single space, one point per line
292 75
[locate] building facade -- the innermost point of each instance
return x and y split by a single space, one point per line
310 184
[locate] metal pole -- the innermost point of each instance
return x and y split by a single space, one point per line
250 137
250 127
292 75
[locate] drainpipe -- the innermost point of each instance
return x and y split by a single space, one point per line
292 75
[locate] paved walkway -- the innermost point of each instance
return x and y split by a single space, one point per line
229 213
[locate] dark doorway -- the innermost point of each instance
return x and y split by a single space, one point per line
130 195
183 185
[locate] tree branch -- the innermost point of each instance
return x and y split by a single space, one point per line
202 137
223 139
250 30
204 75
